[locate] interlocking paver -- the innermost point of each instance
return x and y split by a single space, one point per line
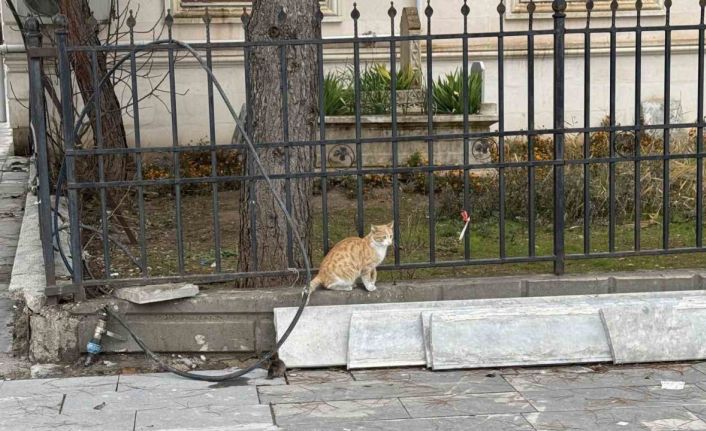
338 411
463 405
618 419
605 398
464 423
373 389
647 376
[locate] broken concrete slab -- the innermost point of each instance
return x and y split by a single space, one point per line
382 339
654 333
157 292
463 341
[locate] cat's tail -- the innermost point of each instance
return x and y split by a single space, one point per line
313 286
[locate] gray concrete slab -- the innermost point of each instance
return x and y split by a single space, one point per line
385 339
338 411
51 420
618 419
300 377
486 380
465 423
157 292
174 398
161 381
345 391
654 333
463 341
613 378
605 398
329 348
6 318
45 387
211 417
464 405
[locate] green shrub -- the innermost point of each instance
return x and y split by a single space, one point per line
447 93
337 95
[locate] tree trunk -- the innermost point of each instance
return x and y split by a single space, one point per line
82 32
276 20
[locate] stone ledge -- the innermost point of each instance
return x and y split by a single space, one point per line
241 320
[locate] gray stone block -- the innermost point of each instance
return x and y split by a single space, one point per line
385 339
461 423
618 419
49 387
463 341
191 333
347 391
590 285
157 292
605 398
42 414
173 397
474 381
311 377
613 378
483 289
463 405
230 417
653 333
337 411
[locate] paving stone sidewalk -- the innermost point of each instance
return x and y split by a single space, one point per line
13 184
666 397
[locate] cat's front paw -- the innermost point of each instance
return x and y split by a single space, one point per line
370 287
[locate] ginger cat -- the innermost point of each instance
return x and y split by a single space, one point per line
354 258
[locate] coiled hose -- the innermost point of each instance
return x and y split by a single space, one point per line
288 217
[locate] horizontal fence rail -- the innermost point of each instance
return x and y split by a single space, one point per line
485 167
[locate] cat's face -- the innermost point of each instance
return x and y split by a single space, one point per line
382 234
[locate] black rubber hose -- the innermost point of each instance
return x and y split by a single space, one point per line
278 200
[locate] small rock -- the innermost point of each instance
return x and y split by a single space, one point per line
41 371
203 358
109 363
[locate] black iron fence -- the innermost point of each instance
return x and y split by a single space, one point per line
623 148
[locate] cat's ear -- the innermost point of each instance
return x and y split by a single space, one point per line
391 224
373 228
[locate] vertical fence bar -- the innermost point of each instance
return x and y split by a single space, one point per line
284 91
465 10
559 7
666 213
67 119
176 160
638 126
612 134
392 12
700 134
138 144
531 214
252 192
214 157
322 146
355 14
587 134
501 130
428 11
38 124
101 164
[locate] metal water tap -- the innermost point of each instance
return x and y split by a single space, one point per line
94 346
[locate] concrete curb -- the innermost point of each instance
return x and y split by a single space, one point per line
242 320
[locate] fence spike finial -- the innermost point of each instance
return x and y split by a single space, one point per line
131 21
60 21
319 14
559 6
207 17
244 17
702 3
501 7
667 4
531 7
589 6
465 10
392 12
614 6
355 13
169 22
428 11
